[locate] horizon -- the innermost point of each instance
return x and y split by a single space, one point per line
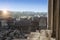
21 11
24 5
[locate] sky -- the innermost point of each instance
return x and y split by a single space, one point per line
24 5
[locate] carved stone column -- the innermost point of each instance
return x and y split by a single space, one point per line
50 14
54 18
57 12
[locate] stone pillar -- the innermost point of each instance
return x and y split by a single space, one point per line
53 17
57 12
50 14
